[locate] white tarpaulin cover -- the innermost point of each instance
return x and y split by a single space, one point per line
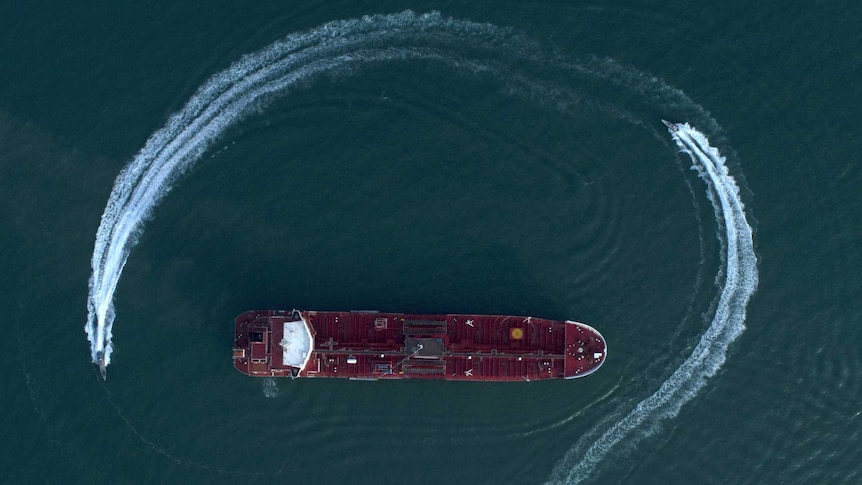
296 343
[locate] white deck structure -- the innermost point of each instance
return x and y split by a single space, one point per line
296 343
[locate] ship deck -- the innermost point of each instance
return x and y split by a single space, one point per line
373 345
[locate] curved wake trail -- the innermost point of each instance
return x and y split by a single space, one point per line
237 92
340 47
739 274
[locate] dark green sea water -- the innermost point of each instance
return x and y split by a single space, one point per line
542 183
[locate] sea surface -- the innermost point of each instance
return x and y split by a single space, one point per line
165 166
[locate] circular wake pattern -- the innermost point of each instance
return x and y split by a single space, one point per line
739 274
341 49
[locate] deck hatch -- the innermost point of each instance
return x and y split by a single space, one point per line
424 348
424 327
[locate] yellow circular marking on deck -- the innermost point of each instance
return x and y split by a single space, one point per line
516 334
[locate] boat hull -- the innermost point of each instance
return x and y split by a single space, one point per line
374 345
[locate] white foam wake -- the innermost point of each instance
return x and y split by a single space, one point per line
243 89
340 47
739 275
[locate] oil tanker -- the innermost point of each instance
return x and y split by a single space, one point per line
370 345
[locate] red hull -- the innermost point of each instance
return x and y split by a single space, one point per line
372 345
